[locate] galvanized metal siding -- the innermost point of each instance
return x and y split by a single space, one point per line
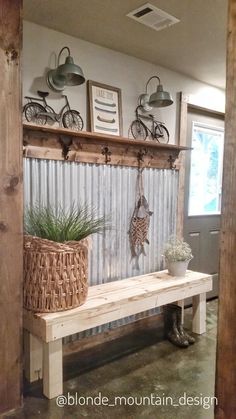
111 189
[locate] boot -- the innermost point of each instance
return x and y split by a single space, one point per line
181 330
171 330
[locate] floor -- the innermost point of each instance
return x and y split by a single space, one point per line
152 377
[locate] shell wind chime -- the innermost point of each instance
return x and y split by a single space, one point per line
140 221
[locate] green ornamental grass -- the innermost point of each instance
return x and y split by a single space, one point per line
61 225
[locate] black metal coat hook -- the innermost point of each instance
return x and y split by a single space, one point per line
107 153
171 160
143 152
65 145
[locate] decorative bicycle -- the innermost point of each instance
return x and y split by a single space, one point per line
141 131
39 113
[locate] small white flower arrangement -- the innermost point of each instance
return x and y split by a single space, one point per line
177 250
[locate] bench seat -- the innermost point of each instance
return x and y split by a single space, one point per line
105 303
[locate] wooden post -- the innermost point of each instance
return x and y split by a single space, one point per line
226 344
11 199
182 142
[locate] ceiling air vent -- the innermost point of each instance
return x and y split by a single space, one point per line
153 17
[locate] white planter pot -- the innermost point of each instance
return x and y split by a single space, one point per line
177 268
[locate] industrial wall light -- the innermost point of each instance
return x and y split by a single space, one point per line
158 99
68 74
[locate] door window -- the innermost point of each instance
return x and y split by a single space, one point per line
206 170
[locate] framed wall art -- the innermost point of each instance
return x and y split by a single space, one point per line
105 109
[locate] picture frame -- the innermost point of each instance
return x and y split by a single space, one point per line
105 109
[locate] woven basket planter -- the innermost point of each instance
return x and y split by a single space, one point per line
55 274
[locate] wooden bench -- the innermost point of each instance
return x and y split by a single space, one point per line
105 303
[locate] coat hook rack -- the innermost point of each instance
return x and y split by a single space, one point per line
65 145
107 153
171 160
62 144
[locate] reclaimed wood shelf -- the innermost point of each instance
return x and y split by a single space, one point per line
47 142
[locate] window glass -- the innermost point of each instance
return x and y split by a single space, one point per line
206 170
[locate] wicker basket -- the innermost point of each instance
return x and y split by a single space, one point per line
55 274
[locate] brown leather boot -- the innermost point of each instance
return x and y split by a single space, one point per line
171 326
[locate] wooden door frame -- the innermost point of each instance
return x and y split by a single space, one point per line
11 215
226 338
226 360
11 206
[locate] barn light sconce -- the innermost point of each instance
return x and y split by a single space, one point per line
158 99
68 74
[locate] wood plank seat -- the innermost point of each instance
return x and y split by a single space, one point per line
105 303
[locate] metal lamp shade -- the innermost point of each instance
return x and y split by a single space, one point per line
68 74
160 99
54 82
144 102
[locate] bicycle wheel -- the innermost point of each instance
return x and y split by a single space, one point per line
72 119
33 113
138 130
161 134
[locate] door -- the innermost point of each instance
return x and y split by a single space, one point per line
203 182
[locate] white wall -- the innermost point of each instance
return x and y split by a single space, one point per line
40 46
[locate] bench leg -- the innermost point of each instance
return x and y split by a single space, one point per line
33 357
199 313
52 369
180 303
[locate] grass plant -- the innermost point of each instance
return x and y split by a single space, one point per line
61 225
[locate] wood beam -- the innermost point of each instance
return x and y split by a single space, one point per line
226 359
44 142
183 113
11 208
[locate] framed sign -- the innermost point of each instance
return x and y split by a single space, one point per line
105 108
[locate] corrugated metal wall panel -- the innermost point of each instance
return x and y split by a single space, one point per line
111 189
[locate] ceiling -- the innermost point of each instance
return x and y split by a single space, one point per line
196 46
